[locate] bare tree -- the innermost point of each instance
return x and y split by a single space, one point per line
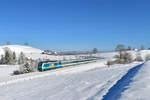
8 43
26 43
120 48
138 57
127 57
142 47
123 56
95 50
129 48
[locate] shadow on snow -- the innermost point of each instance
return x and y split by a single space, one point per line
114 93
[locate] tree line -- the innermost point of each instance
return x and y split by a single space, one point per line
124 57
10 57
25 66
9 43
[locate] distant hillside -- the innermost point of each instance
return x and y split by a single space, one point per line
19 48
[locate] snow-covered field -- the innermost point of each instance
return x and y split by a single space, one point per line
83 82
7 70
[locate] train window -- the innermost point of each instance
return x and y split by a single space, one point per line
46 65
56 64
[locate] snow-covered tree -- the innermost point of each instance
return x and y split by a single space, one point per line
8 56
147 58
21 59
34 65
139 57
2 61
14 58
27 67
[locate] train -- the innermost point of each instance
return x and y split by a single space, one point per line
47 65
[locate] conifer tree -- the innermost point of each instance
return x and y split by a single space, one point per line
8 56
21 59
2 61
14 58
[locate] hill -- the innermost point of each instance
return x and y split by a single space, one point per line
19 48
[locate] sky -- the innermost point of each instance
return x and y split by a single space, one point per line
75 24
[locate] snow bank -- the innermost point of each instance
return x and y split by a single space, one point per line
139 89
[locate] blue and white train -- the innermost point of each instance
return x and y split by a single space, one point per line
47 65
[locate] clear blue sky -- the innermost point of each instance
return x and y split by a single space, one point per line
75 24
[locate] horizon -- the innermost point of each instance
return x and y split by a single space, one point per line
75 25
79 50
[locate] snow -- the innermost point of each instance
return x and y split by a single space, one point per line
139 89
82 82
6 70
115 91
35 53
71 69
107 55
20 48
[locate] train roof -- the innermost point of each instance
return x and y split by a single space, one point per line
49 61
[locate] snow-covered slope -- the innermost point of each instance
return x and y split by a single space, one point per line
1 50
83 82
27 50
110 55
139 89
20 48
36 53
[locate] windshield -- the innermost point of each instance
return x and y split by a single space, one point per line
40 64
